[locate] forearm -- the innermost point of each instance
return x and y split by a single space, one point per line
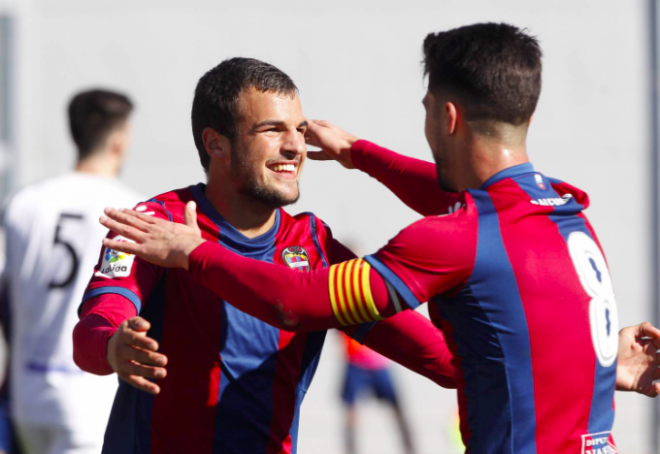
90 340
287 299
411 340
412 180
100 316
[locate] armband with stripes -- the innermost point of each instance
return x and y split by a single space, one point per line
350 293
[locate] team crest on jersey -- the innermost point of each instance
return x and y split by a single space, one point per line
116 263
539 182
598 443
296 257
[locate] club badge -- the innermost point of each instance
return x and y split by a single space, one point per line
539 182
296 257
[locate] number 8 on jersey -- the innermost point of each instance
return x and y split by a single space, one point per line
595 278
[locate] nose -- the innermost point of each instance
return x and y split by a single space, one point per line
294 143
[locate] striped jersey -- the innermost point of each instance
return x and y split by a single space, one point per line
234 384
516 279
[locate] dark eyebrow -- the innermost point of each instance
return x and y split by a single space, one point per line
275 123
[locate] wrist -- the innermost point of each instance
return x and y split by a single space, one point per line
189 250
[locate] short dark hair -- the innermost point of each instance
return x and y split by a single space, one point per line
217 93
93 114
495 69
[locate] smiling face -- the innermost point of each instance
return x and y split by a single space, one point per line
269 150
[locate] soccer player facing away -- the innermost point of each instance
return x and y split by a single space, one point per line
234 384
510 265
52 237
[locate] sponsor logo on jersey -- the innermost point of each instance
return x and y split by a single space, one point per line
598 443
296 257
539 182
116 263
553 201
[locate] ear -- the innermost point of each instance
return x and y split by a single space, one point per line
451 117
117 141
217 145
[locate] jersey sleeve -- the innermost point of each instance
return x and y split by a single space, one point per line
426 258
432 256
412 180
119 287
288 299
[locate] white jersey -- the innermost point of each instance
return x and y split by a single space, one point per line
53 243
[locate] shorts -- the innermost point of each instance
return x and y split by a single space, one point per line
359 381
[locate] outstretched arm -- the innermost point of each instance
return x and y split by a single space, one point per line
347 294
412 180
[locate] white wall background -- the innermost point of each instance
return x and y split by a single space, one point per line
357 63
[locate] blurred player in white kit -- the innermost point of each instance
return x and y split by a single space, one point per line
53 238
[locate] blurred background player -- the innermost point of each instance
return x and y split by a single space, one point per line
52 242
8 439
368 372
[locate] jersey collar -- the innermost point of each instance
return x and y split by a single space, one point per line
510 172
228 235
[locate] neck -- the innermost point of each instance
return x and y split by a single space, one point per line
245 215
100 163
486 157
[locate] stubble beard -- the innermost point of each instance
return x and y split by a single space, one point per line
256 191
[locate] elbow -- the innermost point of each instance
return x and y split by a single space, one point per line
289 318
88 353
288 321
78 355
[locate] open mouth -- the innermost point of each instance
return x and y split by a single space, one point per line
284 169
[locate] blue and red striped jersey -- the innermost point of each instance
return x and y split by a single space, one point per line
235 384
517 281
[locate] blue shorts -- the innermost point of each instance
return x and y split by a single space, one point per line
359 381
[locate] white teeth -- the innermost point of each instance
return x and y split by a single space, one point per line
284 168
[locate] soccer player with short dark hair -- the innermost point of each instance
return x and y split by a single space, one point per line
234 384
510 265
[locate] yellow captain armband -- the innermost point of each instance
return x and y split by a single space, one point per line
350 293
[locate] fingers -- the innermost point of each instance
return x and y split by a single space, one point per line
122 229
133 332
123 246
320 123
319 156
146 218
652 390
647 330
141 383
129 217
134 368
139 324
134 357
190 216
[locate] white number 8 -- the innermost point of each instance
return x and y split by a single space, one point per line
595 278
